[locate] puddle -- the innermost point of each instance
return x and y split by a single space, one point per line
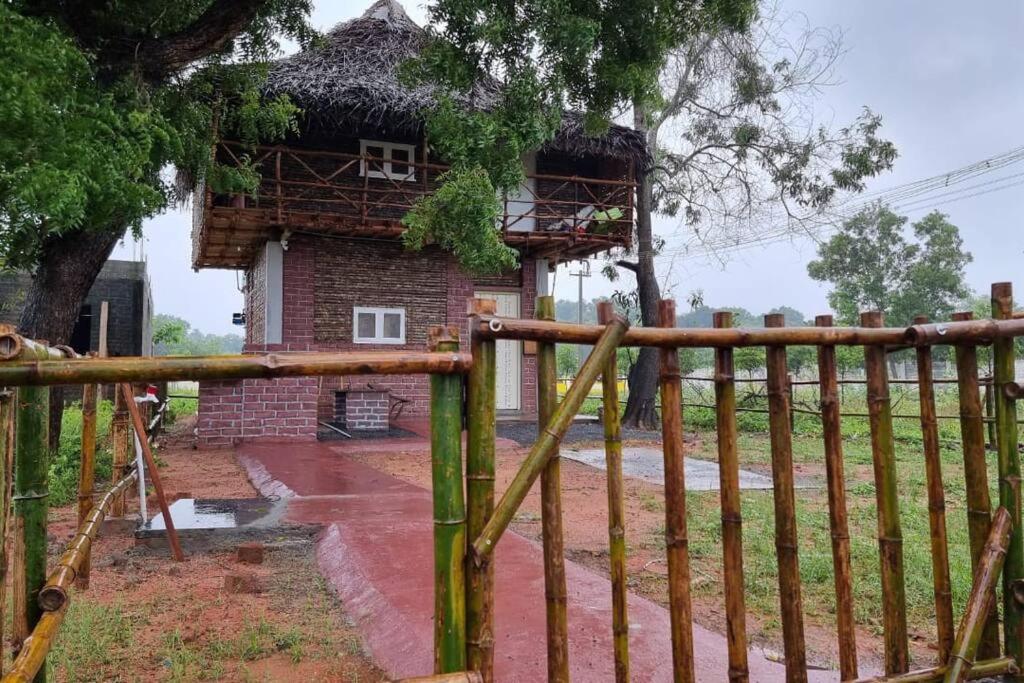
649 464
191 514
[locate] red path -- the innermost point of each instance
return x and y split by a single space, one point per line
376 552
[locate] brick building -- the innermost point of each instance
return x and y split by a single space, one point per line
124 285
320 241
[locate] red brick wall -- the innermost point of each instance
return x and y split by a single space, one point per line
323 279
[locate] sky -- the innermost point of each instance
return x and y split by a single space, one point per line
946 78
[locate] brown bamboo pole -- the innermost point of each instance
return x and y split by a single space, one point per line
941 583
119 445
1008 459
988 668
785 509
551 509
831 426
732 517
87 470
266 366
154 473
449 510
7 400
30 664
616 504
480 440
676 538
964 330
981 601
538 456
54 594
458 677
972 438
890 535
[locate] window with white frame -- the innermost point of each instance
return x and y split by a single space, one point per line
390 160
378 325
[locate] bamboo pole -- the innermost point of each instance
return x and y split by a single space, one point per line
972 438
616 505
7 402
154 474
890 536
570 333
1008 458
30 664
87 470
831 426
551 509
458 677
981 601
54 594
676 538
538 456
988 668
264 366
31 471
119 436
941 583
480 439
732 517
791 606
449 510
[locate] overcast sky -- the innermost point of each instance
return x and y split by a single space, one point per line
947 78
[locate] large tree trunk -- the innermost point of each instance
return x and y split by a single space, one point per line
643 377
68 267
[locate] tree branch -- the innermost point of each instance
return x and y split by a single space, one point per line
628 265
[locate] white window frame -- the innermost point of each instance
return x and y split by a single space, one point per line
388 148
378 333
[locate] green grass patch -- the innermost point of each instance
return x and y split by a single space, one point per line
92 638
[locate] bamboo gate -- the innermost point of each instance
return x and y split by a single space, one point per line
468 523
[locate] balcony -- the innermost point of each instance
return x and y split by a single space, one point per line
363 195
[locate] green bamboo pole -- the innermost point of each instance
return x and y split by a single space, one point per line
551 509
832 431
480 438
31 470
890 535
87 471
981 601
1008 458
790 602
616 504
942 588
732 518
449 510
972 438
556 428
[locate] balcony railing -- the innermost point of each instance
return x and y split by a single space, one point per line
299 186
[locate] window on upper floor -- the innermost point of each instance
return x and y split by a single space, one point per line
390 160
378 325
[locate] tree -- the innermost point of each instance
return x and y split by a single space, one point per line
736 148
96 101
530 63
173 336
749 359
873 266
567 360
168 330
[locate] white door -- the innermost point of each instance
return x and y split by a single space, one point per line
509 380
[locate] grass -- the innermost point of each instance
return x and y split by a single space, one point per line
92 638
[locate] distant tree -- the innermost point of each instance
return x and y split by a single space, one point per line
800 358
749 359
848 359
567 359
873 266
689 360
173 336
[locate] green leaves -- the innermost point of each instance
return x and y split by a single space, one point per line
462 218
872 265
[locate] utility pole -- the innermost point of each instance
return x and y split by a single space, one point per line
583 272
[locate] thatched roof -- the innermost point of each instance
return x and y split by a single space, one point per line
351 80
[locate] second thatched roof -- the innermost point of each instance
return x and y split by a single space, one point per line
351 80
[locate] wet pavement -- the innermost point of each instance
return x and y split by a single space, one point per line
649 464
375 549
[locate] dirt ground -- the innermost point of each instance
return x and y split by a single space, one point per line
585 515
148 618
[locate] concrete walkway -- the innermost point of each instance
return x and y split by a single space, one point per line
375 551
647 463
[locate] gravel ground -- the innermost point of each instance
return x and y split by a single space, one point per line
525 433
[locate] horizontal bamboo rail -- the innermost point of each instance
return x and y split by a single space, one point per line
458 677
54 594
570 333
975 331
263 366
986 669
